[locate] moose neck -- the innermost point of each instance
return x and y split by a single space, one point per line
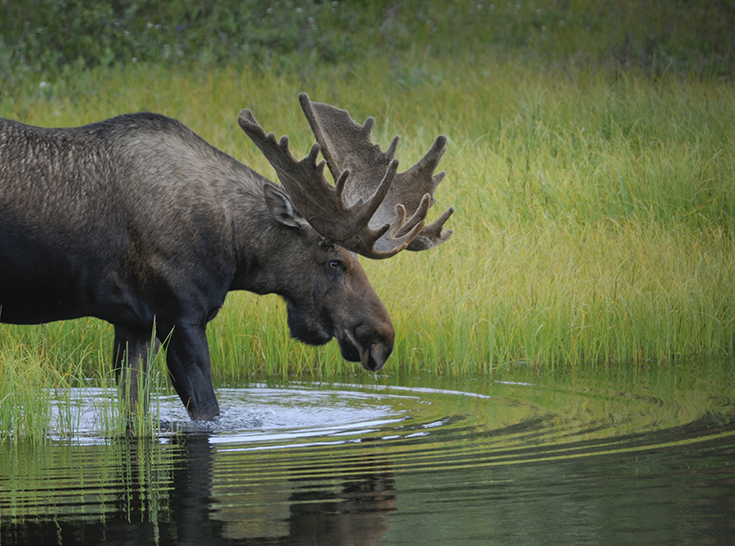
262 246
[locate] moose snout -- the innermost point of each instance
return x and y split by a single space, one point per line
369 345
376 356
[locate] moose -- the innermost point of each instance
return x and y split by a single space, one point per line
139 222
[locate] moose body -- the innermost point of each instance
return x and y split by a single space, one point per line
139 222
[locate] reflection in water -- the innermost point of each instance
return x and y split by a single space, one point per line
529 458
169 500
355 513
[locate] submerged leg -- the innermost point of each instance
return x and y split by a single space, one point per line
133 350
188 363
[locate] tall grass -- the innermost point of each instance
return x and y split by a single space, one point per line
552 293
53 376
24 393
595 213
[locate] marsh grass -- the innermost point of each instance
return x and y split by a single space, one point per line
594 216
546 296
24 393
56 383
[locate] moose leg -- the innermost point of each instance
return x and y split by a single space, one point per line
132 352
190 369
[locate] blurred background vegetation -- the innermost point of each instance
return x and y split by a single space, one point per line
50 36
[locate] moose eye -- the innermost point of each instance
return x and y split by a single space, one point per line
335 264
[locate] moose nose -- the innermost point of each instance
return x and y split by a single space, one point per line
375 356
374 345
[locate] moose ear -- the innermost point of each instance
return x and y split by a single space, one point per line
281 208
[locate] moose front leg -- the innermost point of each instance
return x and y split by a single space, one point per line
190 368
132 354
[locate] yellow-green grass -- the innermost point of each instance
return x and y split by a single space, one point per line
46 372
594 213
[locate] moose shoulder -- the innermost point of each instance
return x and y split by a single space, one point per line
138 221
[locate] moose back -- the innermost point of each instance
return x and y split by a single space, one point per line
139 222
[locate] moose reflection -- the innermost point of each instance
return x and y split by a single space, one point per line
189 493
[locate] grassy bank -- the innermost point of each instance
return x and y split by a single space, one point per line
594 223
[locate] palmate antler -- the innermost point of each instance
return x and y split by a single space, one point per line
366 210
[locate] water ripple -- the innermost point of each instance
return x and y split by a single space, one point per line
476 462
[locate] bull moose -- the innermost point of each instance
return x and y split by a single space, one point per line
138 221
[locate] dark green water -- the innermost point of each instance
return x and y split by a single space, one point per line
607 455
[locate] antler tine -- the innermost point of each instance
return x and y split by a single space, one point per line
280 157
346 145
432 235
324 206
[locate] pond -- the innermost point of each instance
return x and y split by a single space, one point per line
622 454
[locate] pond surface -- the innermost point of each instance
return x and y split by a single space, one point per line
622 454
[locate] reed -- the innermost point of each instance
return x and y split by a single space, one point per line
54 378
24 399
594 223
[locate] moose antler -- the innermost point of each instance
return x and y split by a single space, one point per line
368 214
346 145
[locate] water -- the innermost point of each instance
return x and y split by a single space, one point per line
602 455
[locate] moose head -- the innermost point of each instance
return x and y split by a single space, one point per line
371 210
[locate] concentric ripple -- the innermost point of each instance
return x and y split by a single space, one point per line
589 459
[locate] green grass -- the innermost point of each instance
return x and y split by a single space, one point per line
594 223
45 371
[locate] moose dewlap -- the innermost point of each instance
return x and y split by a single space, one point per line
138 221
